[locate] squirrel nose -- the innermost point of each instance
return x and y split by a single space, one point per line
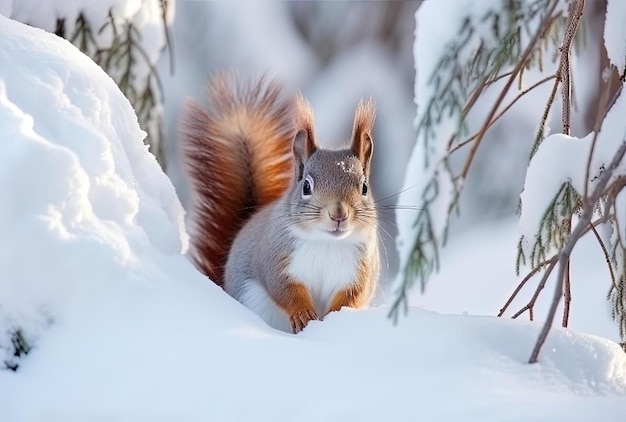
339 213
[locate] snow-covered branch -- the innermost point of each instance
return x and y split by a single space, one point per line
564 171
581 226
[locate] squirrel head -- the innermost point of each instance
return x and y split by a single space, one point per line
330 196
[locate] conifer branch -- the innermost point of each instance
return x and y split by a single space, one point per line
548 16
544 118
563 75
457 86
550 264
563 229
582 226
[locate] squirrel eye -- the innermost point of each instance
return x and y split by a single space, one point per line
364 189
307 187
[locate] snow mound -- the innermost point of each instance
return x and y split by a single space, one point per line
85 201
125 329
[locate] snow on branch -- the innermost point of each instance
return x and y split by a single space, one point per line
573 184
588 176
615 35
572 168
583 225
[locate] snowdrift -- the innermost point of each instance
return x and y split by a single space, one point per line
124 329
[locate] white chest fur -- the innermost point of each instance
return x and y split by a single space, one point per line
325 267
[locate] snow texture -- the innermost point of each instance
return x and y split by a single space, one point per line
477 280
615 34
109 23
123 328
144 15
79 182
562 158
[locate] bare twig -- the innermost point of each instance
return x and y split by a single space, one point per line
494 80
165 6
567 288
562 74
519 287
566 251
531 304
502 113
567 294
546 114
575 13
607 258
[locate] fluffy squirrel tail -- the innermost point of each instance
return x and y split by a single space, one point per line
238 157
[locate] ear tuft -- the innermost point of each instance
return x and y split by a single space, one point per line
304 141
362 143
304 117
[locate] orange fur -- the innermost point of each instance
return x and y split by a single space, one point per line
356 296
238 158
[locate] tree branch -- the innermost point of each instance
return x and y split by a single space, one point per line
496 118
566 251
531 304
607 258
575 13
516 70
551 261
567 295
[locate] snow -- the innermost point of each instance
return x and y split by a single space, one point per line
615 34
478 280
123 328
559 159
44 14
70 122
124 36
562 158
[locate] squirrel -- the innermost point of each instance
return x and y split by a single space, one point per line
286 227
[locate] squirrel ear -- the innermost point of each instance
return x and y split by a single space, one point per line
304 142
362 143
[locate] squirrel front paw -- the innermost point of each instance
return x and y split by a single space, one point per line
301 318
